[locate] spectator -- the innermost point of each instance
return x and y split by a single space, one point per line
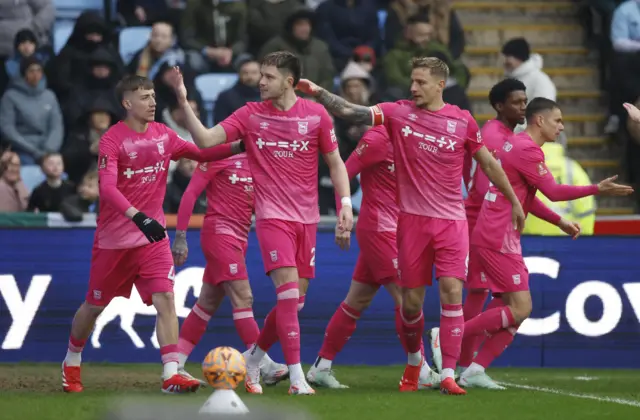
355 85
625 37
566 171
313 4
178 185
142 12
47 196
30 117
446 25
14 196
72 63
162 48
26 45
36 15
297 37
266 20
245 90
80 150
520 64
418 42
214 32
99 81
346 24
366 58
632 152
453 93
85 201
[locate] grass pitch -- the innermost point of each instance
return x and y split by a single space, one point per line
33 392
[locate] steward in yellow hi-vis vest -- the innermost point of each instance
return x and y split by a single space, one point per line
566 171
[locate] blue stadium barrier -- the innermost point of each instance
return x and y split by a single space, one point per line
62 30
71 9
31 176
132 40
210 86
586 296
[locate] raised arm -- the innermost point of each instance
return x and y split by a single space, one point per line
203 137
336 105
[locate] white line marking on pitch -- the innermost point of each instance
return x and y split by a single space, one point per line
621 401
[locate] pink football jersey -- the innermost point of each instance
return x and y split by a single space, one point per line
373 160
229 196
132 171
494 134
283 148
429 150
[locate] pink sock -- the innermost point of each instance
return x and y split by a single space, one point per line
412 329
494 346
169 353
269 333
246 326
301 300
472 307
451 333
193 328
339 330
490 321
287 322
399 329
75 345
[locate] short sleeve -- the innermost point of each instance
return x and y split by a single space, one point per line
381 113
235 125
532 167
473 142
327 141
373 148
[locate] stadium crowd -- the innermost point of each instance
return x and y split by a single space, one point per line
56 104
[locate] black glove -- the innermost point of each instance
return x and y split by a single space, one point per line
243 148
153 230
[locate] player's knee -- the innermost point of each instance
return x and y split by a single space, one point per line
450 290
243 301
358 303
521 311
91 311
164 303
412 301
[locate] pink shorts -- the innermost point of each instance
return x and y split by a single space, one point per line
288 244
114 272
225 255
424 241
378 259
474 278
503 273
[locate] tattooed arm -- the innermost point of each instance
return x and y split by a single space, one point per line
346 110
336 105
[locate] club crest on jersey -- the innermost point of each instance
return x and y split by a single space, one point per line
507 146
542 169
103 162
203 167
303 127
451 126
161 148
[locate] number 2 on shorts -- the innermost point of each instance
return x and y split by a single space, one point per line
313 257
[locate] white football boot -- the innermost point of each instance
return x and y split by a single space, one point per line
434 341
429 379
324 378
478 379
273 372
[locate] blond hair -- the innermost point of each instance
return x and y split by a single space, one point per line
435 66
